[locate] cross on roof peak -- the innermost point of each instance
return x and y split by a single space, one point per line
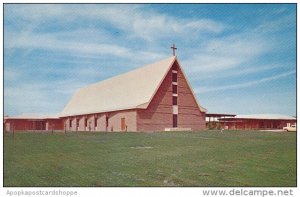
174 49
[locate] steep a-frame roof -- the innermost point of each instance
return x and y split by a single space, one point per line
134 89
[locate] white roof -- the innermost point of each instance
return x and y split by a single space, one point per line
134 89
32 116
266 116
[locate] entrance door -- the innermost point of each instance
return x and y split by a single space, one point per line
123 124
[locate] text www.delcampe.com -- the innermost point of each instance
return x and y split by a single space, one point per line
247 192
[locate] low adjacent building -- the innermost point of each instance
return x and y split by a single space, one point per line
212 120
257 122
32 122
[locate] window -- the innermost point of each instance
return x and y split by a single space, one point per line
174 67
174 100
77 123
174 89
174 77
85 122
174 120
106 117
70 122
96 122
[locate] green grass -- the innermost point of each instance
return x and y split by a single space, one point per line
208 158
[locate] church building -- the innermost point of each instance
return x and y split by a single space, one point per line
155 97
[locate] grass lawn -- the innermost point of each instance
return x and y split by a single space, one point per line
207 158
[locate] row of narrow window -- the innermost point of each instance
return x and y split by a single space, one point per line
174 91
85 122
174 77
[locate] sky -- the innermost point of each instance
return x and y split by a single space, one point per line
238 58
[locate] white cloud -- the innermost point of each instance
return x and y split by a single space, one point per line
48 42
157 26
11 74
135 20
226 53
243 71
72 45
282 23
244 85
36 97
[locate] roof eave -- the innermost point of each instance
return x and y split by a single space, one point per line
100 112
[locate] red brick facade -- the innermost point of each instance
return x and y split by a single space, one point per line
189 114
31 124
109 121
255 124
158 115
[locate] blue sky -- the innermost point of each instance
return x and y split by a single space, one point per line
239 58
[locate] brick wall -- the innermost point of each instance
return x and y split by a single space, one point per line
54 124
18 125
158 115
29 124
189 115
114 121
250 124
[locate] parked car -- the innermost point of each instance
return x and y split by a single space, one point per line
291 128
